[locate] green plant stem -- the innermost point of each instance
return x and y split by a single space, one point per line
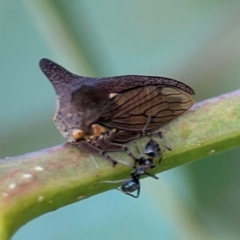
43 181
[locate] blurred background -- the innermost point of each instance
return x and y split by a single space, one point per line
197 42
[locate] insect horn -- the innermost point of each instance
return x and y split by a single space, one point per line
55 73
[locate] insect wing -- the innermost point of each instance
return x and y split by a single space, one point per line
124 102
124 83
130 110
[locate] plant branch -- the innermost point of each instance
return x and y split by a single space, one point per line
43 181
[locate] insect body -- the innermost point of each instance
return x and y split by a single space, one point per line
132 185
102 114
144 163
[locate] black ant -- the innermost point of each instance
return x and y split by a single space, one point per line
152 151
143 164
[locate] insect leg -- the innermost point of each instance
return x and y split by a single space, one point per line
108 146
146 125
135 196
132 195
161 135
114 147
137 148
95 150
151 175
160 159
137 160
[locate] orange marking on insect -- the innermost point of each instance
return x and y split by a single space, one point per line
112 95
98 130
78 134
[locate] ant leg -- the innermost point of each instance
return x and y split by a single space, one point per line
114 147
138 150
160 159
88 147
137 160
167 146
109 146
135 196
114 163
150 175
129 194
138 191
131 155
